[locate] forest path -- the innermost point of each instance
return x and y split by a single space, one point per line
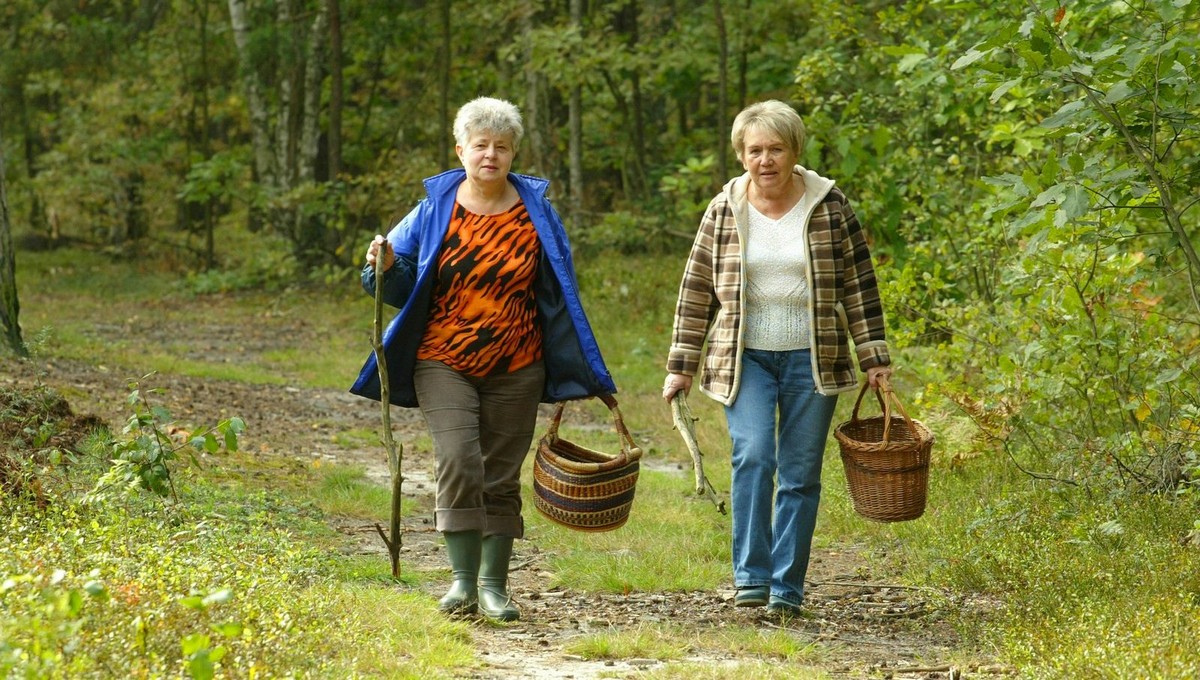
856 624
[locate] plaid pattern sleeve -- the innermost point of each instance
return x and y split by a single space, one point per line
697 303
864 310
859 290
845 298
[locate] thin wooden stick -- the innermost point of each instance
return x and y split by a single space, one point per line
395 451
685 422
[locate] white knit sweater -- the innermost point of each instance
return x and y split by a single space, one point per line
776 261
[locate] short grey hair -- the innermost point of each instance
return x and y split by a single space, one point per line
773 116
487 114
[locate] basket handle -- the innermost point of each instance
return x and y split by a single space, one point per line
629 450
886 396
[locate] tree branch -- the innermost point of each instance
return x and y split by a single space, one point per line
685 422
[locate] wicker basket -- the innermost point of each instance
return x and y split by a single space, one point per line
580 488
886 459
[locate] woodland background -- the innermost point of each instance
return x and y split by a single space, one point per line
1028 173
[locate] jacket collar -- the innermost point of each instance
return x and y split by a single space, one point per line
440 185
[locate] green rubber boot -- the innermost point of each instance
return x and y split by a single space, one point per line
464 550
494 600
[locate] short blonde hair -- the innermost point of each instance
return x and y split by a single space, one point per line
487 114
773 116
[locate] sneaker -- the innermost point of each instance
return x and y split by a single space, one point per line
750 596
781 607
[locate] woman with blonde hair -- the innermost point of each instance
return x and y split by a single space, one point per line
778 284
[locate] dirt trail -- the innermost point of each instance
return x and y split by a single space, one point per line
862 627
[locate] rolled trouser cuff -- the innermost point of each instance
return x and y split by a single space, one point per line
512 526
460 519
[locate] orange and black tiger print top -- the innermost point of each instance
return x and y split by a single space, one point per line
483 318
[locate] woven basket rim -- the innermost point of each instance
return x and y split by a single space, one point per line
846 432
601 462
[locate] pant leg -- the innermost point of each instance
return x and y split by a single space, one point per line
507 419
450 404
751 420
804 418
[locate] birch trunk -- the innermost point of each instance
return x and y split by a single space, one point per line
533 123
260 117
309 229
310 121
288 84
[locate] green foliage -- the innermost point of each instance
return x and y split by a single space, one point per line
1091 317
229 584
145 454
216 178
688 189
1026 173
1079 582
119 587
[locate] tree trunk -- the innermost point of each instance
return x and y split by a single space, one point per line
210 222
10 306
290 80
310 110
310 229
335 88
635 122
285 153
743 56
575 124
722 93
260 117
445 58
533 81
39 222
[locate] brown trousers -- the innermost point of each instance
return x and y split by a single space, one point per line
481 429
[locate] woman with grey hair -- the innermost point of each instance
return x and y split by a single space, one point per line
490 324
779 281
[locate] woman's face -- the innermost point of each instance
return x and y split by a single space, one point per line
767 158
487 156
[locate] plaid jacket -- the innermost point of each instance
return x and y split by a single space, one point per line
844 302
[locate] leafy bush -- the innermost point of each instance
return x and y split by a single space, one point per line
143 457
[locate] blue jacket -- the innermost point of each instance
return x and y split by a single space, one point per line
574 366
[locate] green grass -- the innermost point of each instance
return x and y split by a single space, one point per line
661 643
1082 586
345 491
125 584
212 336
668 641
673 541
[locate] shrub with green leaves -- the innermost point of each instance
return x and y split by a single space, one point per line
144 454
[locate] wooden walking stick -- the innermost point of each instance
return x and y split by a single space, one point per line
685 422
395 452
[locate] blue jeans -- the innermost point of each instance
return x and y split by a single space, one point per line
772 548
